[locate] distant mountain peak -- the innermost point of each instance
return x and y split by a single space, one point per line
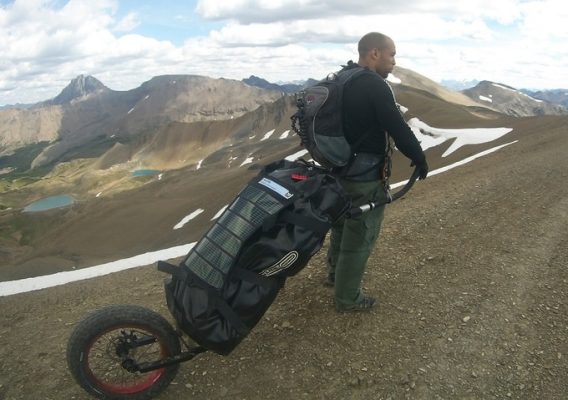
261 83
284 87
510 101
254 78
80 86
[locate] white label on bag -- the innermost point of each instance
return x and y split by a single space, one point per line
286 262
281 190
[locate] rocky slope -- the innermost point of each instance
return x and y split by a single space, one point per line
511 101
415 80
20 127
555 96
86 111
470 272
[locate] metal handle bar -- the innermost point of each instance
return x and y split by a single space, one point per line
356 211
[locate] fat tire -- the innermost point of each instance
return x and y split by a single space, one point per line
106 319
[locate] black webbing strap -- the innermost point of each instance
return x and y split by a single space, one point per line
231 316
218 303
170 269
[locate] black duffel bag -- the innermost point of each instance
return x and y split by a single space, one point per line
268 233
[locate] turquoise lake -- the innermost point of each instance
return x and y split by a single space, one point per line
49 203
145 172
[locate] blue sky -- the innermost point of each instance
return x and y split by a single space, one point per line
46 43
174 21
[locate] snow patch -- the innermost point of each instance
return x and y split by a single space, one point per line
430 137
393 79
267 135
132 109
188 218
485 99
532 98
295 156
61 278
505 87
249 160
284 134
458 164
231 159
221 211
469 159
199 164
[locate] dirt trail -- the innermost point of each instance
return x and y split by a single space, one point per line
471 273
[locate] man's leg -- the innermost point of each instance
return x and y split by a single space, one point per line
358 237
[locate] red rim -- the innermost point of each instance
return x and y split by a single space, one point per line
146 380
137 388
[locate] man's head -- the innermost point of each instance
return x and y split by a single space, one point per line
377 51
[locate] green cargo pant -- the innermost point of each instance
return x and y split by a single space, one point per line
352 241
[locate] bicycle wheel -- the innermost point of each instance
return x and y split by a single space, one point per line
105 345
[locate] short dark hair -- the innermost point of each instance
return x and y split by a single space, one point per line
370 41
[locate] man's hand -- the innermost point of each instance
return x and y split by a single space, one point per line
422 169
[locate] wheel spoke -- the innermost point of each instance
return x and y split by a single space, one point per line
105 365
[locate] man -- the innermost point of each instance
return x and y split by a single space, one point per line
370 117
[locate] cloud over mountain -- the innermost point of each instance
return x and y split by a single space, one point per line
124 44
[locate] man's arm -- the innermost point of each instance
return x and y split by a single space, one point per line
393 122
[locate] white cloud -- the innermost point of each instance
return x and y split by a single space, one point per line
46 47
545 19
128 23
47 43
249 11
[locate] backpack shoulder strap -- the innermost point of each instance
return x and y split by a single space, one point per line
349 73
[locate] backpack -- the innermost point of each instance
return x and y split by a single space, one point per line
269 232
319 119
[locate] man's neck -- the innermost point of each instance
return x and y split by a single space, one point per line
362 62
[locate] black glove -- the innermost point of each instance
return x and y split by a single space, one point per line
422 168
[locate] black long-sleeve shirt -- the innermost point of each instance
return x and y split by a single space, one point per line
369 106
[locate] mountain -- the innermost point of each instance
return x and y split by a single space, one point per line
21 127
17 105
511 101
470 266
284 87
554 96
77 89
205 137
48 121
400 76
413 79
89 120
86 112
